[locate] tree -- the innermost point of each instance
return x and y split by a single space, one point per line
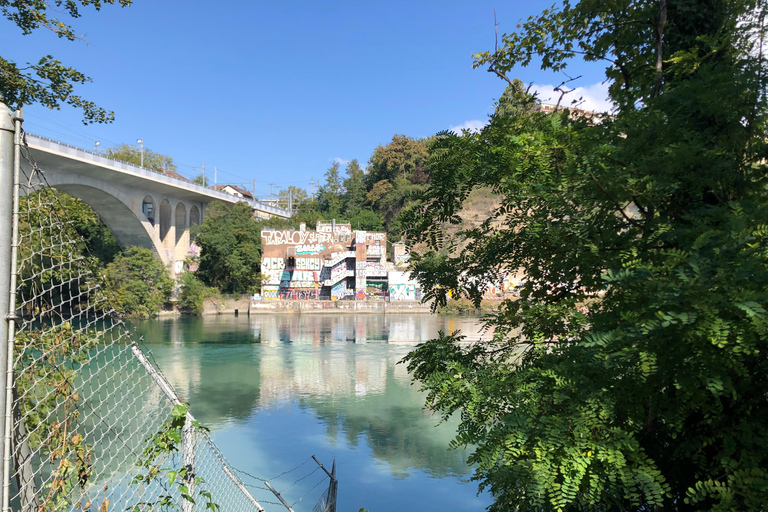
330 194
402 157
140 281
230 241
133 155
291 197
200 180
354 199
631 373
48 81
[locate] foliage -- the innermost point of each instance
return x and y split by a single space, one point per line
48 81
291 197
51 225
652 396
330 194
402 157
367 220
50 407
200 180
354 187
160 447
193 294
133 155
140 282
230 241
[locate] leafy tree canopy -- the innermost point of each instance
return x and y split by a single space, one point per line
48 81
132 155
631 373
199 179
140 281
230 241
330 194
403 156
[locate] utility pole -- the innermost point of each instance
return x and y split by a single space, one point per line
215 175
204 184
312 187
254 189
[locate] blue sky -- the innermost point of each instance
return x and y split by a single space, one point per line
276 91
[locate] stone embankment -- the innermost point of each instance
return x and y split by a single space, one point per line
245 306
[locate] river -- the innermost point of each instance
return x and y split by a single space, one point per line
275 389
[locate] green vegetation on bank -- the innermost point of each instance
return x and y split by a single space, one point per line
631 373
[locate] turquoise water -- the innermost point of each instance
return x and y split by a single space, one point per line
275 389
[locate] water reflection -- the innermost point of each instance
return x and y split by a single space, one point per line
244 376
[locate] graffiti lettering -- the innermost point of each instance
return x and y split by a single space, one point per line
272 264
287 237
301 294
309 264
402 292
304 275
309 249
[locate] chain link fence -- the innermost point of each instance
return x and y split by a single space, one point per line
90 421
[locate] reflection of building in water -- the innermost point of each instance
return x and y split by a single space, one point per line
322 372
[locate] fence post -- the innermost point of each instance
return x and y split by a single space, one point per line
188 442
7 131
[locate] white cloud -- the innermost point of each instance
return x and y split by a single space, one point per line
473 126
593 97
341 161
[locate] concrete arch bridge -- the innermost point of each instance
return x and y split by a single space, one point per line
140 206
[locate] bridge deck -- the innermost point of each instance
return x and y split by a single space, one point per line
51 154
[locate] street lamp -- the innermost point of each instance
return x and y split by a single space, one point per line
96 146
141 141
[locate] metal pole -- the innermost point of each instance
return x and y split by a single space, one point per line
27 480
278 496
188 443
204 184
215 175
7 130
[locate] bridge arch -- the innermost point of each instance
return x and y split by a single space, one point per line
122 214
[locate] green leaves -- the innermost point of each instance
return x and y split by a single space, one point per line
140 282
630 374
230 241
48 82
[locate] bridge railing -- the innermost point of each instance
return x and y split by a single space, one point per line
144 172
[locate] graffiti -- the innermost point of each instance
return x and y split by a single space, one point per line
375 250
287 237
270 292
340 290
339 271
402 292
374 268
286 275
304 275
370 237
309 249
402 258
301 294
273 277
303 284
360 294
309 264
328 228
178 267
268 264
